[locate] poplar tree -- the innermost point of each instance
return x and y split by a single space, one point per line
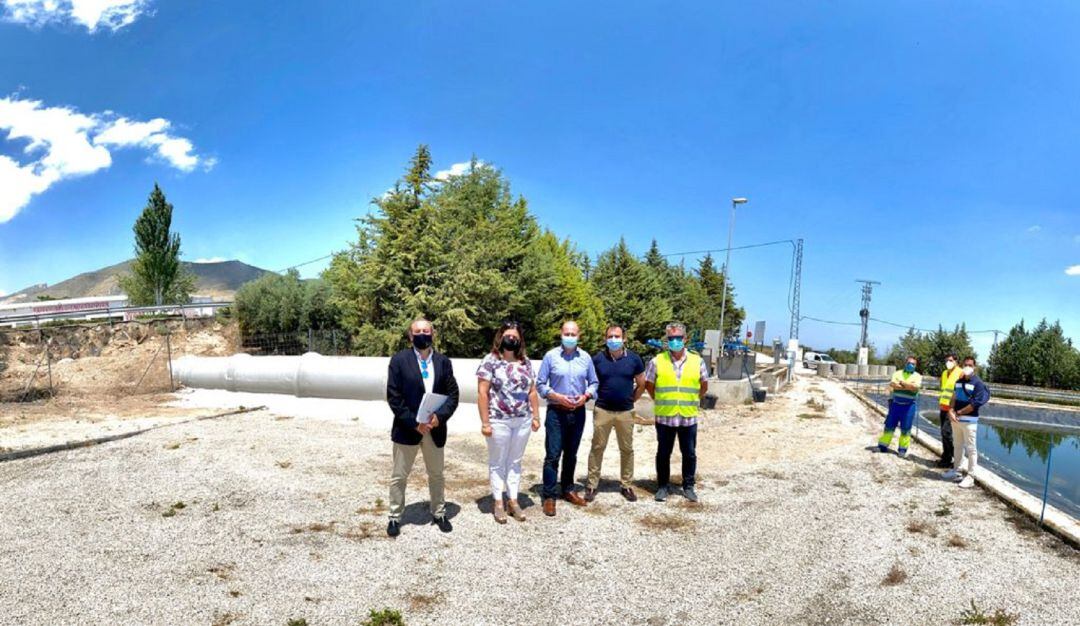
157 276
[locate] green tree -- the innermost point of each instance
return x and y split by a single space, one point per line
931 348
633 295
553 289
449 250
157 277
283 303
691 303
715 283
1042 357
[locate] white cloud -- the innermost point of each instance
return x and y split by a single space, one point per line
152 135
62 143
213 259
1034 229
91 14
1072 270
457 169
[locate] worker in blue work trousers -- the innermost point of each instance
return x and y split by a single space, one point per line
903 406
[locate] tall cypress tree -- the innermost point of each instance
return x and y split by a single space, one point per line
157 277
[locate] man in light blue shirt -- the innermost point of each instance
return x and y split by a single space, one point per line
567 379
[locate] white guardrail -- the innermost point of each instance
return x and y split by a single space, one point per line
110 314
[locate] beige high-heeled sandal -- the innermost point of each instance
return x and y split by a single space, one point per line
515 511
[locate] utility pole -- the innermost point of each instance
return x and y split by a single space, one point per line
796 289
864 313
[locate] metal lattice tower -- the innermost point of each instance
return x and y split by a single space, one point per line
864 312
796 286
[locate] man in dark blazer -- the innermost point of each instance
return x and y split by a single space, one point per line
414 371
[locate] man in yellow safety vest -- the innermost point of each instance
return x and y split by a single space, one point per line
677 381
949 377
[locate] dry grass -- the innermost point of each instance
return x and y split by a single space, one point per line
376 509
922 527
422 601
314 527
666 521
894 577
956 541
223 571
224 619
692 507
1023 523
360 532
598 510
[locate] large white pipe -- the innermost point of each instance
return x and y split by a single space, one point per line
309 376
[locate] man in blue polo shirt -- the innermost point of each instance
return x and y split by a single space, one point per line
622 381
969 395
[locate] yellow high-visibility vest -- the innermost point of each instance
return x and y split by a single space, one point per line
675 396
948 383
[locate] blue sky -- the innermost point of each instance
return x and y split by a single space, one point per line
928 145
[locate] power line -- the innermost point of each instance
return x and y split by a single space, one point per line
881 321
756 245
292 267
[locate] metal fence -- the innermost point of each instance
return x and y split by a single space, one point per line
1035 448
330 342
41 363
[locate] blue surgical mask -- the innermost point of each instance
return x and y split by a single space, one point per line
676 344
615 344
909 368
569 342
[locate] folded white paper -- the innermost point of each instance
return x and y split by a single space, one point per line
430 403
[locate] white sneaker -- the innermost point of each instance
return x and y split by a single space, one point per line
951 475
967 483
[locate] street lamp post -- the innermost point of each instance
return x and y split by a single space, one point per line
727 269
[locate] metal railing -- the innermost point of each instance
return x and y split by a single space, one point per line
108 315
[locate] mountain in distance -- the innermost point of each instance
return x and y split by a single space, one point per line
218 280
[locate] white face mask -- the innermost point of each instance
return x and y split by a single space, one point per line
950 364
968 371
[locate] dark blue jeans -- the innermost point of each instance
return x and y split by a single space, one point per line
562 436
665 444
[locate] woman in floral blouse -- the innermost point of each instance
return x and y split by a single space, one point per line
507 399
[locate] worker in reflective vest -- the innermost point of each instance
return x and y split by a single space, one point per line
949 377
677 381
903 406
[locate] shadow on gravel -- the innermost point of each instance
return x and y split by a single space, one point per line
419 513
927 474
929 463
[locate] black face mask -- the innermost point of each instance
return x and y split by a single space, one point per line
421 342
510 344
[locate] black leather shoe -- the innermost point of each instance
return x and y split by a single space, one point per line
393 529
443 524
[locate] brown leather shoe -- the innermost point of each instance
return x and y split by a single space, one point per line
549 507
574 498
590 495
629 494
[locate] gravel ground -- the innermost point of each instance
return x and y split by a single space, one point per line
282 517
